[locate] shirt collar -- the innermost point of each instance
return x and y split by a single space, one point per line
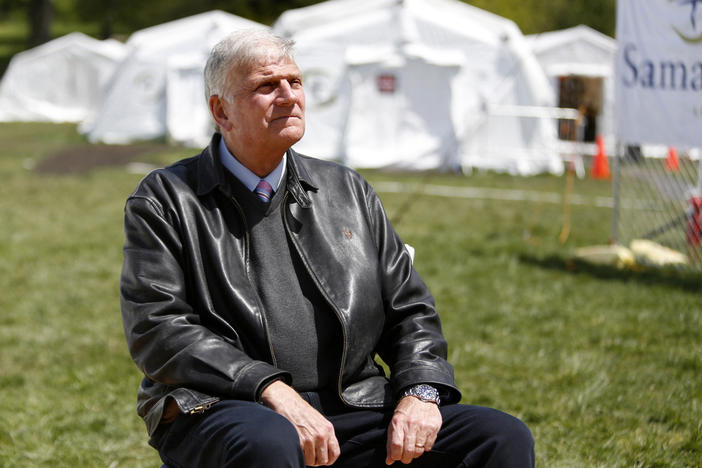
244 174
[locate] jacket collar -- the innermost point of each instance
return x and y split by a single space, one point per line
299 179
211 173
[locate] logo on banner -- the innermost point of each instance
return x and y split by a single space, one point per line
689 30
669 73
659 71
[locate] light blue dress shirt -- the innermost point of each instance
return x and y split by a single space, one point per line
244 174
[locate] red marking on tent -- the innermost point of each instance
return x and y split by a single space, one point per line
387 83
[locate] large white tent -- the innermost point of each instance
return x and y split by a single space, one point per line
158 89
60 81
585 52
419 84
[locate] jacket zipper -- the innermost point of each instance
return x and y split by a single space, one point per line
199 409
324 294
274 361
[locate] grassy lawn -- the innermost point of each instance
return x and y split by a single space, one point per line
604 365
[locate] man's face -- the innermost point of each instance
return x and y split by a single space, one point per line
266 106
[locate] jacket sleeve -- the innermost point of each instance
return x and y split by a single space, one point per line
412 344
164 333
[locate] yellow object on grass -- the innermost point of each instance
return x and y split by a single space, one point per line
651 253
614 255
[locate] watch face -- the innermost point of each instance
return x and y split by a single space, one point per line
424 392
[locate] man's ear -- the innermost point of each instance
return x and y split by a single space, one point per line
218 113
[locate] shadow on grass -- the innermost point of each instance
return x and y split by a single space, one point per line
686 281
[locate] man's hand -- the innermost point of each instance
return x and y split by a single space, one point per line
413 430
317 437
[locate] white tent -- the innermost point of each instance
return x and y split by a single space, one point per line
60 81
420 83
580 51
158 90
405 129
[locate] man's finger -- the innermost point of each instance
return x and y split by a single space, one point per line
394 445
410 451
333 451
322 457
308 452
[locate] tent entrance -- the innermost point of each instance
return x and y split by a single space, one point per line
583 93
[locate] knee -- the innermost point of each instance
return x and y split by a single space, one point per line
272 441
511 441
514 435
489 437
277 436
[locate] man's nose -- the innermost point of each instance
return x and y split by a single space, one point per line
286 94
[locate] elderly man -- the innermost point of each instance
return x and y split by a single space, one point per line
258 287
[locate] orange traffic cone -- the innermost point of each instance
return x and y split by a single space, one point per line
600 165
672 163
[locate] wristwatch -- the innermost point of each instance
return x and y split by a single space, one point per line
424 392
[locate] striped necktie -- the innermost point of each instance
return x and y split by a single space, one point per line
264 191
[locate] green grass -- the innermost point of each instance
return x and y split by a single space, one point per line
604 365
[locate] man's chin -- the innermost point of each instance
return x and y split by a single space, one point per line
291 133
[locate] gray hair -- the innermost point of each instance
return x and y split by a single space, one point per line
240 51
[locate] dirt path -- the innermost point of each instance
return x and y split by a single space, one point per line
84 158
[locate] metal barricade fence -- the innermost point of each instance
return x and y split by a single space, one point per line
659 198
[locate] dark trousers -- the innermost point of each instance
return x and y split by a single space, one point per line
244 434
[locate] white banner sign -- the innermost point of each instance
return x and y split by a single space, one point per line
659 72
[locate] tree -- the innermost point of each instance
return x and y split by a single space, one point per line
536 16
40 15
130 15
126 16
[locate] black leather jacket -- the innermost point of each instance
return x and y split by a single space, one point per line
194 323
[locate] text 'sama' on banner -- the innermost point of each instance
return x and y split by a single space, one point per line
659 72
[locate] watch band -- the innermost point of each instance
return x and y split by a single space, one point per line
424 392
